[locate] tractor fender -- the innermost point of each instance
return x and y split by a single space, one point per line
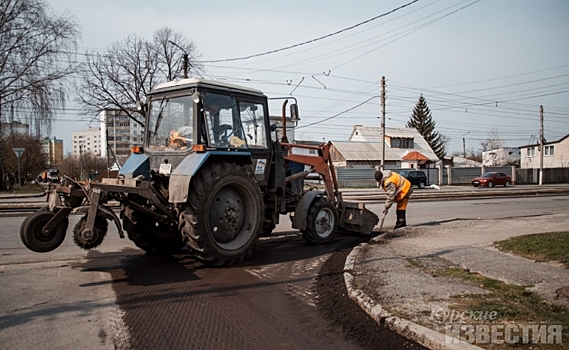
301 211
181 176
137 164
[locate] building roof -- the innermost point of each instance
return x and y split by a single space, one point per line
546 143
460 162
364 151
414 156
372 136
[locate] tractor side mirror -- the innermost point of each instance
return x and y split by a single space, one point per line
294 112
196 97
140 106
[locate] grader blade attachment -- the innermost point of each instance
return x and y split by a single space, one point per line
356 218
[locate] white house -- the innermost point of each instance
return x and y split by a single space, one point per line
555 155
504 156
404 148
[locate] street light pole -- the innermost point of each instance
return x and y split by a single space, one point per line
81 162
185 57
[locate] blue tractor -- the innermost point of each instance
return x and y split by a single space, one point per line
213 175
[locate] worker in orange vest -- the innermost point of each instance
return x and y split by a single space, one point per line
398 189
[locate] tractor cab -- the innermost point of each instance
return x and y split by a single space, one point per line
195 115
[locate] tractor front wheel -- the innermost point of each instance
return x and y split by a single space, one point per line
321 221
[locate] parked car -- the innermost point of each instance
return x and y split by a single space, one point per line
416 177
492 179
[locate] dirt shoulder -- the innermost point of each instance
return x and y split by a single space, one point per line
446 274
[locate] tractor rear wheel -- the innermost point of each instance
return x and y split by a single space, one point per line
149 235
223 218
35 239
321 221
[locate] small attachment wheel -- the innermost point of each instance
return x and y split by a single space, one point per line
89 239
33 236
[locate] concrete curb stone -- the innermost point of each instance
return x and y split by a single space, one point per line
411 330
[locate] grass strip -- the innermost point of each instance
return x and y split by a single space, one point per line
550 246
511 304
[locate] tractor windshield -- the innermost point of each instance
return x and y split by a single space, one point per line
233 123
170 125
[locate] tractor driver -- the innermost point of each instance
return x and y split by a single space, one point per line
219 110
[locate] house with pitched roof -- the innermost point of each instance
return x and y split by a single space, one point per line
403 147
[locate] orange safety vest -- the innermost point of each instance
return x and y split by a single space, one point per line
402 185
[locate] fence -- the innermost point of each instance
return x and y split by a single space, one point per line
363 178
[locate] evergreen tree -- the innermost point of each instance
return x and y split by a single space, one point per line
422 121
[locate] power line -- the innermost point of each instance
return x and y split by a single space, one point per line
339 114
312 40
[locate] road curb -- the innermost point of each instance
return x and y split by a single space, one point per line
477 194
20 196
411 330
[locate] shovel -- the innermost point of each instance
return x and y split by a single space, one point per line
381 225
382 219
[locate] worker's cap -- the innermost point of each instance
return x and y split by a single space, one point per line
378 176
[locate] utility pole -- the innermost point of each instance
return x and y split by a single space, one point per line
541 150
464 145
382 167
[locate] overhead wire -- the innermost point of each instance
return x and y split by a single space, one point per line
312 40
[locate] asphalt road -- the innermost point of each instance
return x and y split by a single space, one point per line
284 296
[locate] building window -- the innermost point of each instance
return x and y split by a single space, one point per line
531 152
397 142
549 150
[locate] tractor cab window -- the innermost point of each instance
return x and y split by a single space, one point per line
253 119
170 126
233 124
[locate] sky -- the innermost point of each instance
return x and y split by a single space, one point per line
483 66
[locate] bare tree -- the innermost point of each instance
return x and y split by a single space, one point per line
122 76
494 141
83 167
36 58
32 162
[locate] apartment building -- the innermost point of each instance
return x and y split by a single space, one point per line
53 147
15 127
120 132
87 141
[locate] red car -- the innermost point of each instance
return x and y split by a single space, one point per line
492 179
